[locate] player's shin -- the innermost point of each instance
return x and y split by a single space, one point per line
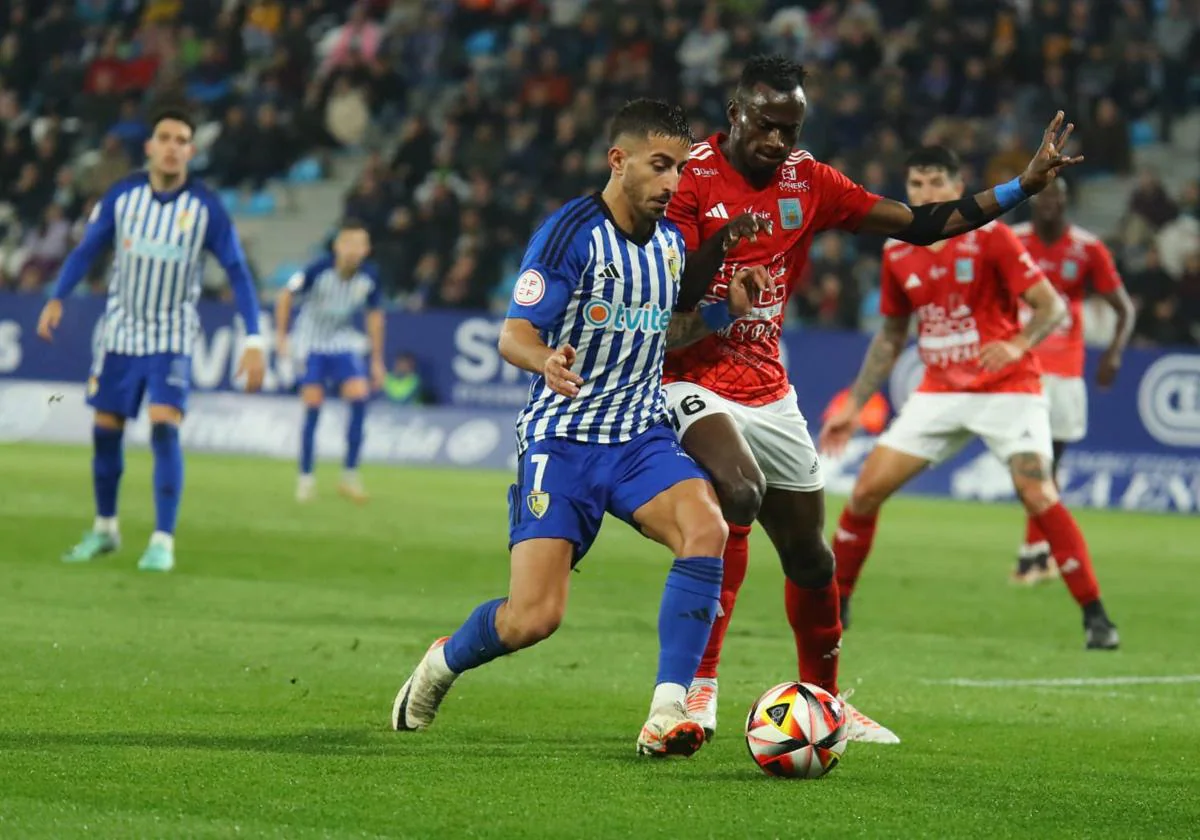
478 641
851 547
735 561
816 623
108 463
308 439
354 434
1070 551
685 618
168 479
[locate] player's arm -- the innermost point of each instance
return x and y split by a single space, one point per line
376 325
689 327
285 301
222 242
96 237
931 223
1022 277
1107 283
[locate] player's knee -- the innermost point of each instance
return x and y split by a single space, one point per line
808 562
705 536
104 420
741 498
866 498
1037 495
165 414
532 623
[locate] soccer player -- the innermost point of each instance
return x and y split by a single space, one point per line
980 380
1073 260
159 222
589 317
332 291
750 198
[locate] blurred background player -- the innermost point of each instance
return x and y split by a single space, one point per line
750 198
159 222
589 316
980 380
1075 262
332 291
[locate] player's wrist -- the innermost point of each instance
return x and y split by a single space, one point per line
716 315
254 342
1010 193
1022 343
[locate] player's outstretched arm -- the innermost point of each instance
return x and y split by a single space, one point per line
689 327
931 223
703 264
521 345
885 349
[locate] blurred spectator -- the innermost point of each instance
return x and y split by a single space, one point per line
404 385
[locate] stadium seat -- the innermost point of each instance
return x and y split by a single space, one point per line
305 171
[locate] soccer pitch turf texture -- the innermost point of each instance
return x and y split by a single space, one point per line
248 692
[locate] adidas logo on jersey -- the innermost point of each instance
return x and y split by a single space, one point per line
610 272
717 211
913 282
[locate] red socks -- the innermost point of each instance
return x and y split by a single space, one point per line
851 545
1070 552
736 558
817 626
1035 539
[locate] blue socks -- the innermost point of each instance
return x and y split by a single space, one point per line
477 642
308 439
685 618
108 462
168 475
354 433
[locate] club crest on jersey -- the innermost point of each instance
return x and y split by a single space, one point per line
791 217
1070 270
964 270
674 263
538 503
183 222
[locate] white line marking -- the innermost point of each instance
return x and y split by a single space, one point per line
1072 682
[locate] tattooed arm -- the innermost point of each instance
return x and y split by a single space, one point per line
686 328
886 347
689 327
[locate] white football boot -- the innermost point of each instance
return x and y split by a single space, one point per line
417 703
859 727
669 731
306 488
702 705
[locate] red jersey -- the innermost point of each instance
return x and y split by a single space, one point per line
1073 263
965 295
741 363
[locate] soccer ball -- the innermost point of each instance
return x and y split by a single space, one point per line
796 730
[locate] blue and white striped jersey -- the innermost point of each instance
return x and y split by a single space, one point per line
159 242
587 283
330 302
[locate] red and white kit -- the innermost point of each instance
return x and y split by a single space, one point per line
1074 263
738 371
965 294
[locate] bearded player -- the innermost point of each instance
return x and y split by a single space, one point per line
750 198
981 380
1074 261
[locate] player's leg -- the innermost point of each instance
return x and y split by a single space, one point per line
709 433
355 391
312 397
1017 430
662 492
115 392
555 511
168 378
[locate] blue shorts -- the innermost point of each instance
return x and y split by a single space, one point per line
564 487
118 382
332 370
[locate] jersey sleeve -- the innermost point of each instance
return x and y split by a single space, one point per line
300 282
1102 269
375 296
551 270
1017 268
97 236
893 303
221 240
841 203
684 210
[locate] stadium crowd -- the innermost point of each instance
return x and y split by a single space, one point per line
491 112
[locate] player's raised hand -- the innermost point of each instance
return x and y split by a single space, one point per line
49 320
839 428
253 366
1050 157
558 374
744 228
745 287
997 355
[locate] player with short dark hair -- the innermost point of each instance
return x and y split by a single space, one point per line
981 380
752 198
159 222
589 317
332 291
1074 260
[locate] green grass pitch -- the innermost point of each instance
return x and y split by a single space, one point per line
247 694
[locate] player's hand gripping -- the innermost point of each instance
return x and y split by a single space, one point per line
997 355
253 366
839 427
744 228
558 374
745 287
49 320
1049 158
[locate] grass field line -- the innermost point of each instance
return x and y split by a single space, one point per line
1068 682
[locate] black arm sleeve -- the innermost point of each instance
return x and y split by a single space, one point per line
931 222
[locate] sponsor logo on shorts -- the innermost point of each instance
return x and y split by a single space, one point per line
1169 400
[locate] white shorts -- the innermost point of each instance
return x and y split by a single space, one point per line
935 426
777 433
1067 397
